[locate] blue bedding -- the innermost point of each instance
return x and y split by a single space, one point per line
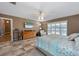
56 45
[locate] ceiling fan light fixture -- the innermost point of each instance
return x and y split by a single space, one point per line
41 16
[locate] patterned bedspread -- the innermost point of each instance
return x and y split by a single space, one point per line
57 45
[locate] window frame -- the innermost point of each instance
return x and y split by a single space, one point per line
59 28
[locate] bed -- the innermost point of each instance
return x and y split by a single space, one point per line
55 45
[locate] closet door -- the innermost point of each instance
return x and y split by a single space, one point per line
7 26
5 30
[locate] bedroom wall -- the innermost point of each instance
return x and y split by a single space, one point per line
73 23
19 22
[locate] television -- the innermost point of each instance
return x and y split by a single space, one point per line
28 24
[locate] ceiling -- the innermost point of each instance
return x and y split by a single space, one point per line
31 10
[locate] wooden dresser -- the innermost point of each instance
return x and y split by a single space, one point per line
29 34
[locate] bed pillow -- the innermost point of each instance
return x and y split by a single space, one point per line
77 39
77 42
73 36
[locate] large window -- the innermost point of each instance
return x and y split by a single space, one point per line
59 28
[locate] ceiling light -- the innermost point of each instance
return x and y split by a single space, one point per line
41 16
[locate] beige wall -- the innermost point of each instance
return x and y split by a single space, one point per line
18 22
73 23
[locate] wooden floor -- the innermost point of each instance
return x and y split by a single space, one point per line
5 37
20 48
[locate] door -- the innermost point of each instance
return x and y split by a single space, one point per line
6 28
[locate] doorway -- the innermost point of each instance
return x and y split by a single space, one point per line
7 26
5 29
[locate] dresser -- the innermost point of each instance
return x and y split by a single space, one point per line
29 34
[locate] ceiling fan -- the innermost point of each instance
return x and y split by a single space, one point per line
14 3
40 15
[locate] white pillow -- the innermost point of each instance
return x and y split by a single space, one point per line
73 36
77 39
77 43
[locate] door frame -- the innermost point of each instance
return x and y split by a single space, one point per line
11 20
